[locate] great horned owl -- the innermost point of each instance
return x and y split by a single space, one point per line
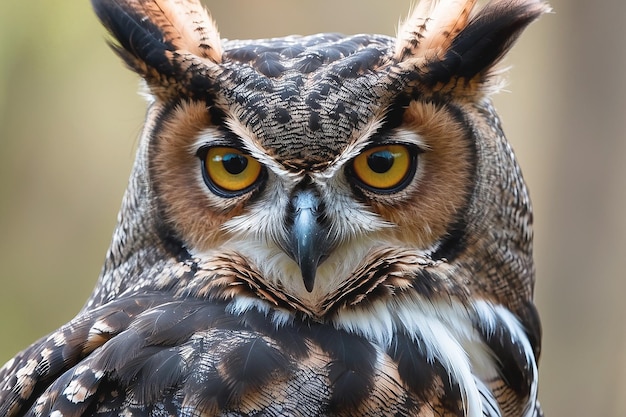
324 225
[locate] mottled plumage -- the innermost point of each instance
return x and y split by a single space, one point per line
325 225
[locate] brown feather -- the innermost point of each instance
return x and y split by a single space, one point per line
431 27
422 303
187 25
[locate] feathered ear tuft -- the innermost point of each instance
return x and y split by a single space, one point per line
163 40
431 27
446 41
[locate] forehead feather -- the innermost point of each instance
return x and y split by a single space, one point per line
305 98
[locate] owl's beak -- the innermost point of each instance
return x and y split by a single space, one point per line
309 242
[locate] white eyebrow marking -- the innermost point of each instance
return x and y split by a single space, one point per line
360 140
251 144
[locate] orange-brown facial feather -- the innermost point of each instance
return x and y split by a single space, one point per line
188 206
425 210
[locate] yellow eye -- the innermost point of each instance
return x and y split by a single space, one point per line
384 168
230 171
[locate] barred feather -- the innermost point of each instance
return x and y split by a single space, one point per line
413 297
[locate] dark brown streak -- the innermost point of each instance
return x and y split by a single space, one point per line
231 275
393 271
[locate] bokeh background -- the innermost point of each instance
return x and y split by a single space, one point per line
70 116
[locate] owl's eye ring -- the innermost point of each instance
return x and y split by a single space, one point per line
385 169
229 172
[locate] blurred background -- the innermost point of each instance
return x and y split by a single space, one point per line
70 116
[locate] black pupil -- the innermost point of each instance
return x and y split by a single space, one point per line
234 163
380 161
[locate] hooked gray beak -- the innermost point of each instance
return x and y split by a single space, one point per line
309 243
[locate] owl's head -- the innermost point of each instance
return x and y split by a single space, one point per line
325 165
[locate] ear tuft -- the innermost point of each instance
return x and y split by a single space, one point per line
447 40
431 27
162 39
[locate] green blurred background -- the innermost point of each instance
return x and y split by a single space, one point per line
70 116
